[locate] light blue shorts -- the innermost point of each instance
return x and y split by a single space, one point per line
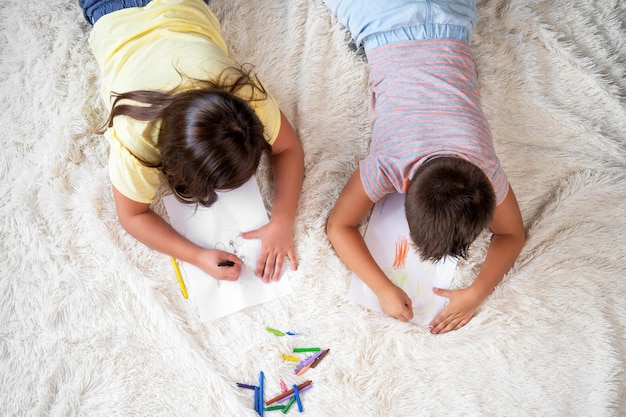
375 23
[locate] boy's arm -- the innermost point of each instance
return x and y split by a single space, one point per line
150 229
342 229
507 241
277 235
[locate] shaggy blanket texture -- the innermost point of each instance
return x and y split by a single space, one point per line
92 323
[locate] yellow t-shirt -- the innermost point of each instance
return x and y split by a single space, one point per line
144 48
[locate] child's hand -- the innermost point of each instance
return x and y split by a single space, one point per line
395 303
209 261
460 309
276 243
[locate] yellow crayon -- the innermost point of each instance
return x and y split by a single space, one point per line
180 278
290 358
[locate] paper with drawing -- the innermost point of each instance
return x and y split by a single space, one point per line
219 227
387 237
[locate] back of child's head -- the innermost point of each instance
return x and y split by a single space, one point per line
209 138
449 202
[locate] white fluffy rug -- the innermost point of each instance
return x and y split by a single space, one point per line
92 323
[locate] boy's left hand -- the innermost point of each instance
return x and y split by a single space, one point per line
460 309
276 243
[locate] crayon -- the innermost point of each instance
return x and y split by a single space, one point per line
288 405
309 349
275 407
285 394
274 331
226 263
296 395
241 385
261 396
290 358
307 362
290 396
179 277
319 358
302 370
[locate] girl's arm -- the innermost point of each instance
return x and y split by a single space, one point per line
507 241
277 235
343 231
150 229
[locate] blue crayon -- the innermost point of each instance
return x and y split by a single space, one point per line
296 395
261 396
241 385
256 399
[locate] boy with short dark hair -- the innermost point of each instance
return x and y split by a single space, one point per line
430 140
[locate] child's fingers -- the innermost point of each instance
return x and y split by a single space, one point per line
260 264
230 273
278 268
268 268
228 266
406 314
293 259
252 234
441 292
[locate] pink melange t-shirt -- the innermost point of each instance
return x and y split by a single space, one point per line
425 103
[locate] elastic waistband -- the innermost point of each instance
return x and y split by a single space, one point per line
415 33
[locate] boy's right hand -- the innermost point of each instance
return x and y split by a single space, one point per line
208 261
395 303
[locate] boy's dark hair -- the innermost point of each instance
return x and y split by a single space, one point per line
209 138
449 202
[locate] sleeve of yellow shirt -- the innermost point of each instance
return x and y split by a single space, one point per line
130 176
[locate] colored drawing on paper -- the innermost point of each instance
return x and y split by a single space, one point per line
425 305
400 278
402 250
387 239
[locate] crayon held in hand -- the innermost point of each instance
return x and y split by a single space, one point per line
226 263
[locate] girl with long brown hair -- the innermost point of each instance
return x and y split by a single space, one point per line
184 113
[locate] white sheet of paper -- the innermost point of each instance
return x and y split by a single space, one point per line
218 227
387 234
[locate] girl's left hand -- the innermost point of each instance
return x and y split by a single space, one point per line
460 309
276 243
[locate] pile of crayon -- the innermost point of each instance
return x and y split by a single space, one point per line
288 396
309 362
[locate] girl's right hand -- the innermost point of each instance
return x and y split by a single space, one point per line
210 259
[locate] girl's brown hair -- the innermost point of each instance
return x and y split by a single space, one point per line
209 138
449 202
